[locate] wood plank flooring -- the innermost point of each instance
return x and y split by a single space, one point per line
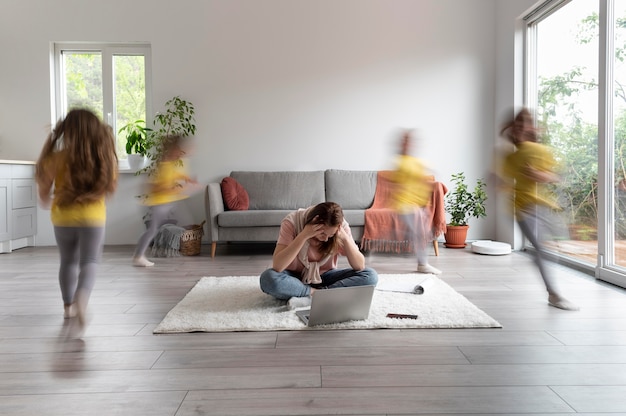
543 361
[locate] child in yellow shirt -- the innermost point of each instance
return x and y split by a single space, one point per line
411 195
76 171
530 168
166 186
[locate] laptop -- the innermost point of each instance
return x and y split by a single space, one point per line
341 304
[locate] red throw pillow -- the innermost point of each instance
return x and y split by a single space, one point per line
235 196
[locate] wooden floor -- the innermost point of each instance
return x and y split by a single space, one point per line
544 361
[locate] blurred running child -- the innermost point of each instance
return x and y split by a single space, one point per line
168 183
529 169
411 196
76 171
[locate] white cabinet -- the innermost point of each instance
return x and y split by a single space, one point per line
18 205
5 208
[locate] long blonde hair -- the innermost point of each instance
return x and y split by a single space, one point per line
90 157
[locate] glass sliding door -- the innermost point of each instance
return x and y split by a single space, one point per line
619 130
565 98
613 267
576 82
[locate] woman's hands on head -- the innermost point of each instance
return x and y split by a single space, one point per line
320 232
342 236
313 230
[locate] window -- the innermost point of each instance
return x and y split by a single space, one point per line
575 80
113 80
565 95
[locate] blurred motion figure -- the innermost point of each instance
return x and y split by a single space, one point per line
75 172
168 183
410 199
529 168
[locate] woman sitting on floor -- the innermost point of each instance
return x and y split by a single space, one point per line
306 254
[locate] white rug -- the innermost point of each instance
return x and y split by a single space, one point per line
236 303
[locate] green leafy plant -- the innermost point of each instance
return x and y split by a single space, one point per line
136 137
462 203
177 119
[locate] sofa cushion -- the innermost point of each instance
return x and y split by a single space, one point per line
355 217
252 218
282 190
352 189
234 195
273 218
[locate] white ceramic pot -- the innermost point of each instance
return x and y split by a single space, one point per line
136 162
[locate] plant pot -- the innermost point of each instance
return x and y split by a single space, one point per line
455 236
136 162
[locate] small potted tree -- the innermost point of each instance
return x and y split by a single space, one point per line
178 118
136 141
462 204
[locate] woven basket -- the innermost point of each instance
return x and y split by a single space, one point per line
191 239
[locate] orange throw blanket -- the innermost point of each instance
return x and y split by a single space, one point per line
384 229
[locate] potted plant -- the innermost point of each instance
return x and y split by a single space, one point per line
178 118
462 204
136 140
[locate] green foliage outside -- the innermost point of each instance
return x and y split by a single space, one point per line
575 141
83 79
130 95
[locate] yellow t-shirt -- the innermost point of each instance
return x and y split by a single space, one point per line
411 187
165 184
527 191
91 214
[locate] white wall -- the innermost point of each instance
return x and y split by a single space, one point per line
282 84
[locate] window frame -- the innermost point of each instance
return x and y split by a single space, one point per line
108 51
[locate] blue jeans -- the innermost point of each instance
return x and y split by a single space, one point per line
286 284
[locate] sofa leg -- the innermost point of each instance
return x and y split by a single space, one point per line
436 247
213 247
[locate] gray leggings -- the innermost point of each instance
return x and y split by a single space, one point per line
159 215
537 225
80 249
416 233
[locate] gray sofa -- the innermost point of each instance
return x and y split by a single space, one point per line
275 194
